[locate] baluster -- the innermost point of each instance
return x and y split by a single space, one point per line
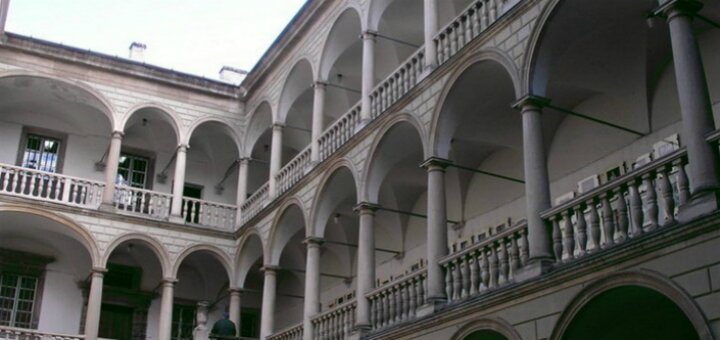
464 273
420 291
492 11
55 188
608 222
503 262
524 247
594 241
667 194
385 310
23 180
5 179
453 39
581 230
456 280
468 28
404 297
568 237
683 186
484 16
651 198
622 213
448 281
412 299
397 307
514 257
474 273
74 191
636 209
31 186
446 45
476 20
493 268
557 238
484 271
373 312
458 27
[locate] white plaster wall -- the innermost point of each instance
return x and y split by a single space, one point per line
62 302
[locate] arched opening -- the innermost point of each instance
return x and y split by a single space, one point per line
485 335
341 65
45 273
288 253
606 62
337 224
296 106
52 126
202 279
250 280
399 186
478 130
258 144
630 312
147 159
131 287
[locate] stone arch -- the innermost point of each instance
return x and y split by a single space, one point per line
533 45
287 95
639 278
232 132
167 114
277 239
257 119
365 192
155 246
216 252
327 176
496 325
241 266
322 69
492 55
83 235
107 107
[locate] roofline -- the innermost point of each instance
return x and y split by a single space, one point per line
297 25
120 65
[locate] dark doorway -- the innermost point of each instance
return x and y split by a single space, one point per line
485 335
116 322
192 214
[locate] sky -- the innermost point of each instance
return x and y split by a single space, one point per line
192 36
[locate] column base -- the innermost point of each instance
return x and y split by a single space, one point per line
431 307
107 207
176 219
533 269
362 124
699 205
426 72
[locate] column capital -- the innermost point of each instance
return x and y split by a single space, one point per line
319 84
183 147
235 290
98 271
169 281
435 163
368 35
117 134
673 8
531 101
313 241
366 208
278 126
245 160
270 269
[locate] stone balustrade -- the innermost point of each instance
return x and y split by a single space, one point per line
335 324
209 214
11 333
143 202
50 187
293 171
475 19
255 203
339 132
625 208
293 333
486 265
398 301
397 84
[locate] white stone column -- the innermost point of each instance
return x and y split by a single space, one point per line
267 319
111 167
368 75
431 29
366 263
92 317
312 285
179 182
317 120
695 104
537 185
436 228
275 157
166 309
235 308
241 196
4 8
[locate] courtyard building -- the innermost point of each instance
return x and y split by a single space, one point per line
390 169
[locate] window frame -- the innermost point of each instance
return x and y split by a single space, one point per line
150 171
21 263
47 133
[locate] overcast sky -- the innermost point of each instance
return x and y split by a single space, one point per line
193 36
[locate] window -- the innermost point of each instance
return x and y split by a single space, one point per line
133 170
41 153
183 322
17 300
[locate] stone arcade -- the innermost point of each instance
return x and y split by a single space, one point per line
391 169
